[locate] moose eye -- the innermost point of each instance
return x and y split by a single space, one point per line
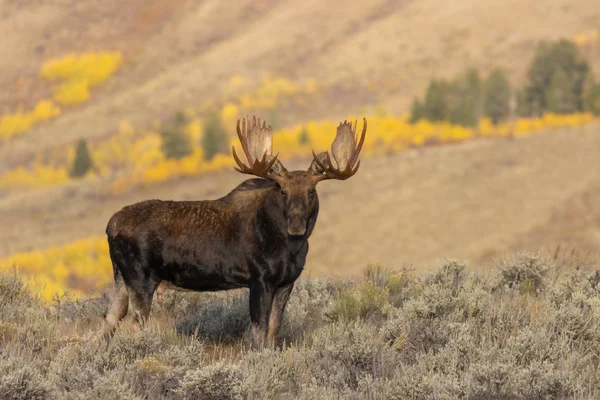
311 194
284 195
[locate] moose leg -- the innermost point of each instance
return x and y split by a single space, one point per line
280 299
141 303
117 309
261 298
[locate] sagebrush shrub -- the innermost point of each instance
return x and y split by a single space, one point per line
525 272
218 381
447 334
22 383
306 307
15 298
225 319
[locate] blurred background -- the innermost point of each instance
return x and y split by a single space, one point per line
483 134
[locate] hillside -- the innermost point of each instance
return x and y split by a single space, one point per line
181 54
469 201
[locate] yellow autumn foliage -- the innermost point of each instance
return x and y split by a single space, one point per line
38 176
76 75
79 267
590 36
79 73
387 134
140 159
19 122
272 90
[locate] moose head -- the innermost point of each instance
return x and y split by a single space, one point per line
298 188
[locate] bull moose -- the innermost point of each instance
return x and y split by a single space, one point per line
256 236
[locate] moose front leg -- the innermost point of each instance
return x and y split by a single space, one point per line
280 299
261 299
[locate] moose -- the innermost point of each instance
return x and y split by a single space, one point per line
255 237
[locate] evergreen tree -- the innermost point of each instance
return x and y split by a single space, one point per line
214 140
435 107
416 111
556 78
303 138
465 99
83 160
497 94
176 143
591 96
524 107
560 95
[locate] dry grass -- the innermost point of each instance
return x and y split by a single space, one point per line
529 328
469 201
179 53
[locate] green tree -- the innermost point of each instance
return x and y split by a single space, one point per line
555 79
83 160
175 142
465 99
591 96
303 138
435 106
560 97
416 111
214 140
496 98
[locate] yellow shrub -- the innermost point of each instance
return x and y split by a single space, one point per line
229 115
93 67
271 90
236 82
79 74
39 176
72 92
14 124
45 110
51 271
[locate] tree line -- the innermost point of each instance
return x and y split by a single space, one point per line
175 143
559 80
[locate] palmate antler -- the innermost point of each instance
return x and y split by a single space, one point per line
257 143
345 151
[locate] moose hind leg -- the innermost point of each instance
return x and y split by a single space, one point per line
117 308
261 299
280 299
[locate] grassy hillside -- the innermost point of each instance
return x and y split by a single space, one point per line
180 54
528 328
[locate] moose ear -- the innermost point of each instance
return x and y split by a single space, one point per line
314 166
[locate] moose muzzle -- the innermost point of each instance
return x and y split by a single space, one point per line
296 223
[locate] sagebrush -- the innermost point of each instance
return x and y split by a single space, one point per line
529 328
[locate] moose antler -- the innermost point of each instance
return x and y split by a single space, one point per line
345 151
257 142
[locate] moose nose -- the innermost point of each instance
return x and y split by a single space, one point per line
296 227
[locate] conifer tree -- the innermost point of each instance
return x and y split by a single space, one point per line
83 160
